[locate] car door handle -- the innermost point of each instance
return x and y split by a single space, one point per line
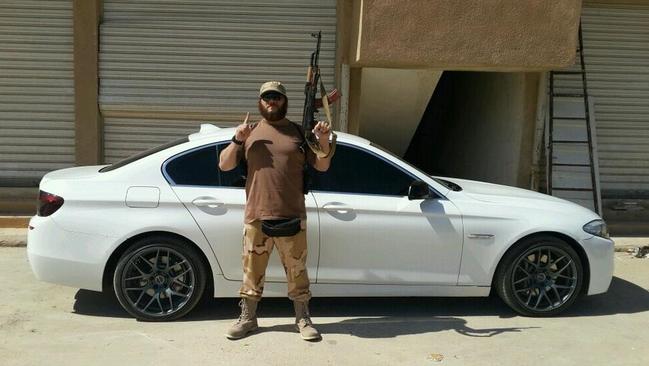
337 207
207 202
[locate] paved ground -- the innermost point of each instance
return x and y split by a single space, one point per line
42 323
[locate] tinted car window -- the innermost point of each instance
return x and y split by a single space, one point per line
354 170
201 168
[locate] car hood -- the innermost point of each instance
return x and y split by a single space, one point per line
492 203
492 192
506 195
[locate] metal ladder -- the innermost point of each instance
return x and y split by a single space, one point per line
572 167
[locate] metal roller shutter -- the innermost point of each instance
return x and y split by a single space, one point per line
616 51
167 66
36 89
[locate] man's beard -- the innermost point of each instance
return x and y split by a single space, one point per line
279 113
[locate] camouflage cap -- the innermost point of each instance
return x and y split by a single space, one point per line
275 86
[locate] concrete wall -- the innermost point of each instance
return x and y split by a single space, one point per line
18 201
88 121
392 102
479 126
495 35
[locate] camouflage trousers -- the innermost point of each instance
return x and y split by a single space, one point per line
257 248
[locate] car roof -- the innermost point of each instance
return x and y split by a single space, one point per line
210 131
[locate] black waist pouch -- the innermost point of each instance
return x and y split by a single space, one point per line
282 227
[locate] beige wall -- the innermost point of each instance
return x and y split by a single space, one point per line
88 121
495 35
392 102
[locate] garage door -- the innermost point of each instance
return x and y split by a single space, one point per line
36 90
616 44
167 66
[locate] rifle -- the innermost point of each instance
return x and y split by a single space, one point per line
312 103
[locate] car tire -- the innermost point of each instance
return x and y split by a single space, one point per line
159 278
540 276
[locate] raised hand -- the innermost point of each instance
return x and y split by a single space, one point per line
322 131
243 130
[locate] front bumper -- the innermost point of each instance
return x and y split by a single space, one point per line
601 254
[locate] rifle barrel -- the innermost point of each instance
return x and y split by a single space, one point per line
317 52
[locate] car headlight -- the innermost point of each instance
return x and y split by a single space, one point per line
597 227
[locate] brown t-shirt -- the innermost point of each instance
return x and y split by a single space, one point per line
275 171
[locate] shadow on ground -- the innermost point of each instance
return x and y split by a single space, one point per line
388 317
390 327
622 297
371 317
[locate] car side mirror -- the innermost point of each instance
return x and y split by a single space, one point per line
418 190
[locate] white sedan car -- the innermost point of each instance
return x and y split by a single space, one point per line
162 227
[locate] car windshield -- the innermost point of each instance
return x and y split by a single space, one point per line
450 185
143 154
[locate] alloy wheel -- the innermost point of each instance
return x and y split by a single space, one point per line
157 281
544 278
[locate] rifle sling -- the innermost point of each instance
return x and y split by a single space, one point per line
312 142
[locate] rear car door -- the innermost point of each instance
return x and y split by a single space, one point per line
371 233
216 200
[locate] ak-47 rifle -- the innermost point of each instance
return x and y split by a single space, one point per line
312 103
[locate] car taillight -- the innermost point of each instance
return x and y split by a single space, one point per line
48 203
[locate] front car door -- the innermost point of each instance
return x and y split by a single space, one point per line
371 233
216 199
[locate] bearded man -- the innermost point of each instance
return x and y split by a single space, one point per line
275 214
